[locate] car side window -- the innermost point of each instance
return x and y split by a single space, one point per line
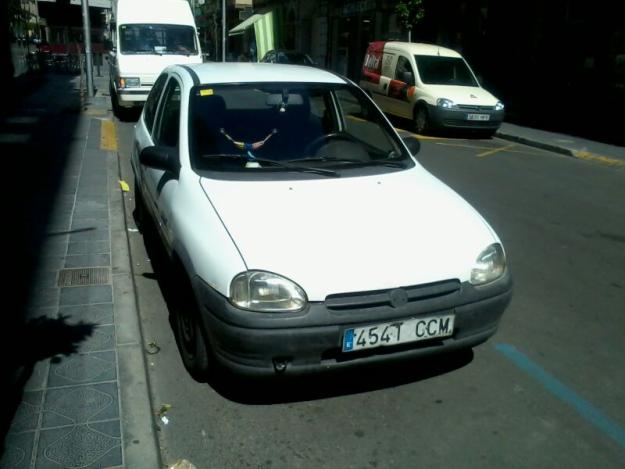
169 116
403 71
152 102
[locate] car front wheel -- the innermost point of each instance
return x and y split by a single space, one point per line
421 120
196 355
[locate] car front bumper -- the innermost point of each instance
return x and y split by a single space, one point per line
459 118
260 344
130 97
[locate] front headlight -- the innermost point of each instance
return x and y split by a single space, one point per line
266 292
129 82
499 106
489 265
445 103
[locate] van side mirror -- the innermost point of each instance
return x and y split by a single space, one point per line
408 78
160 157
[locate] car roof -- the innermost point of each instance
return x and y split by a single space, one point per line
418 48
244 72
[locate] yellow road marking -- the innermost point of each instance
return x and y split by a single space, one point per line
523 151
124 186
496 150
108 135
95 112
586 155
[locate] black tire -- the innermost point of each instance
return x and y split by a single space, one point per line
421 120
196 355
487 133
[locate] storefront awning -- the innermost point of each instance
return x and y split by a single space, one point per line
240 28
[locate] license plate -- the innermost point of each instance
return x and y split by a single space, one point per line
398 332
478 117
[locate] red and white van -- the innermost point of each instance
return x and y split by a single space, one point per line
431 85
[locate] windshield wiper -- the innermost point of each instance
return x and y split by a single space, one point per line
277 164
325 159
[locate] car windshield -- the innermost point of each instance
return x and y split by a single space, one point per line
244 126
435 70
157 39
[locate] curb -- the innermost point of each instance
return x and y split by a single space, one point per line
577 154
140 441
533 143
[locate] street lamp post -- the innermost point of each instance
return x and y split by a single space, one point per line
87 34
223 30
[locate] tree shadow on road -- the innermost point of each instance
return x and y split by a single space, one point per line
37 339
285 389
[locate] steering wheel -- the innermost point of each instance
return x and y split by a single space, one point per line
323 139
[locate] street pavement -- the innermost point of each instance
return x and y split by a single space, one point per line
75 356
74 379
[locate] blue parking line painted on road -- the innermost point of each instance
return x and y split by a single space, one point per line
583 407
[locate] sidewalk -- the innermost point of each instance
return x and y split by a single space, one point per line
74 364
610 155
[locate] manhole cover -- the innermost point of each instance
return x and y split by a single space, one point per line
82 277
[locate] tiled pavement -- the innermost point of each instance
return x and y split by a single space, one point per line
70 415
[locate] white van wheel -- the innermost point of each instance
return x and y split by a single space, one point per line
421 120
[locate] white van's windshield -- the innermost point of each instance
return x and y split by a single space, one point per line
436 70
157 39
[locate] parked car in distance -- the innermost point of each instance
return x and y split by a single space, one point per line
431 85
288 57
303 233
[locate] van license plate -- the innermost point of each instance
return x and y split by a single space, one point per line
399 332
478 117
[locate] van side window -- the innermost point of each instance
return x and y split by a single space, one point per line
152 102
403 71
169 121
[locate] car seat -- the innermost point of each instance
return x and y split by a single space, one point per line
210 116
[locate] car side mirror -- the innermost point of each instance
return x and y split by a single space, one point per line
407 77
414 146
160 157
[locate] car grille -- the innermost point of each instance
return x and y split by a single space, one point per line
372 299
468 107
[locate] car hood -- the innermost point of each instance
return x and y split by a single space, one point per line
463 94
352 234
149 66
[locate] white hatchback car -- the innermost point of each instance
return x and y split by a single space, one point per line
305 234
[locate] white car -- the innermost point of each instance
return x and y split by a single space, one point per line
304 234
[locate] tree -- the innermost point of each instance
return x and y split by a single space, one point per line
410 12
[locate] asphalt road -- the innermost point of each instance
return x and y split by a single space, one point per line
548 390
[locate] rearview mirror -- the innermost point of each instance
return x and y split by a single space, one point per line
408 78
161 157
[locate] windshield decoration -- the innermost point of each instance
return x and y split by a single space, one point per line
248 147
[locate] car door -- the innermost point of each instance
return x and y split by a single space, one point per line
401 87
145 126
380 93
160 186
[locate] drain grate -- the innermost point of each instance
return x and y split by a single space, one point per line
82 277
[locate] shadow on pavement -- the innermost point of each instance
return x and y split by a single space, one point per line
36 138
285 389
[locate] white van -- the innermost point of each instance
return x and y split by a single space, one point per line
429 84
147 36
